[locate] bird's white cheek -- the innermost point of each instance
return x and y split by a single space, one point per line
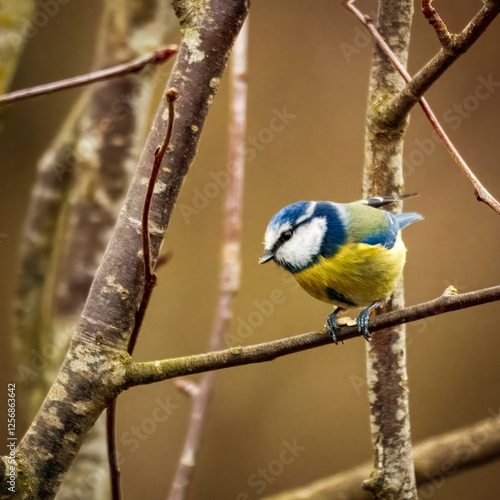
304 245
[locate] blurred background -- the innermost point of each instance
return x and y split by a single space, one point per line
308 66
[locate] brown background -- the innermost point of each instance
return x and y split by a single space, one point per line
317 398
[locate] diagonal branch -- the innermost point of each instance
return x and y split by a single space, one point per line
156 57
482 194
453 48
149 284
436 459
157 371
91 374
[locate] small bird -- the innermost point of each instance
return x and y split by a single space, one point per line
349 255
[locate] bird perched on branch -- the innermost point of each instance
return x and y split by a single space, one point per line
349 255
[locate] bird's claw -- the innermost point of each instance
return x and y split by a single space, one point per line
363 319
332 326
362 322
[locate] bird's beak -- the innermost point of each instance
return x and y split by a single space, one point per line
266 256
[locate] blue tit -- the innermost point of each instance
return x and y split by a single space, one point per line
349 255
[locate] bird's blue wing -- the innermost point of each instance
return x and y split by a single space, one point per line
387 235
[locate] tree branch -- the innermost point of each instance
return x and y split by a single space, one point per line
93 369
436 459
393 476
156 57
157 371
453 47
482 194
444 36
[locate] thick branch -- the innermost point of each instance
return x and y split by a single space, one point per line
156 371
457 45
117 290
91 374
436 459
393 476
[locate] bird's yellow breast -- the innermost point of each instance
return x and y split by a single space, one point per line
357 275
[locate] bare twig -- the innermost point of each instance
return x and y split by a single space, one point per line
157 371
231 260
436 459
171 97
149 284
156 57
187 387
453 48
114 469
149 275
437 23
480 191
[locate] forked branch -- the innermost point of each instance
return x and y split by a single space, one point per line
453 46
482 194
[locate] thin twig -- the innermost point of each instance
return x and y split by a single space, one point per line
149 275
480 191
170 96
114 469
460 43
149 284
231 262
437 23
156 57
156 371
187 387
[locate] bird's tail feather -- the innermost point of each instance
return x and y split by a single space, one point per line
406 219
380 201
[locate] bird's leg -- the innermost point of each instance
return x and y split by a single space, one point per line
331 324
363 318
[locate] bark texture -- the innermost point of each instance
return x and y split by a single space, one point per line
393 475
93 371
